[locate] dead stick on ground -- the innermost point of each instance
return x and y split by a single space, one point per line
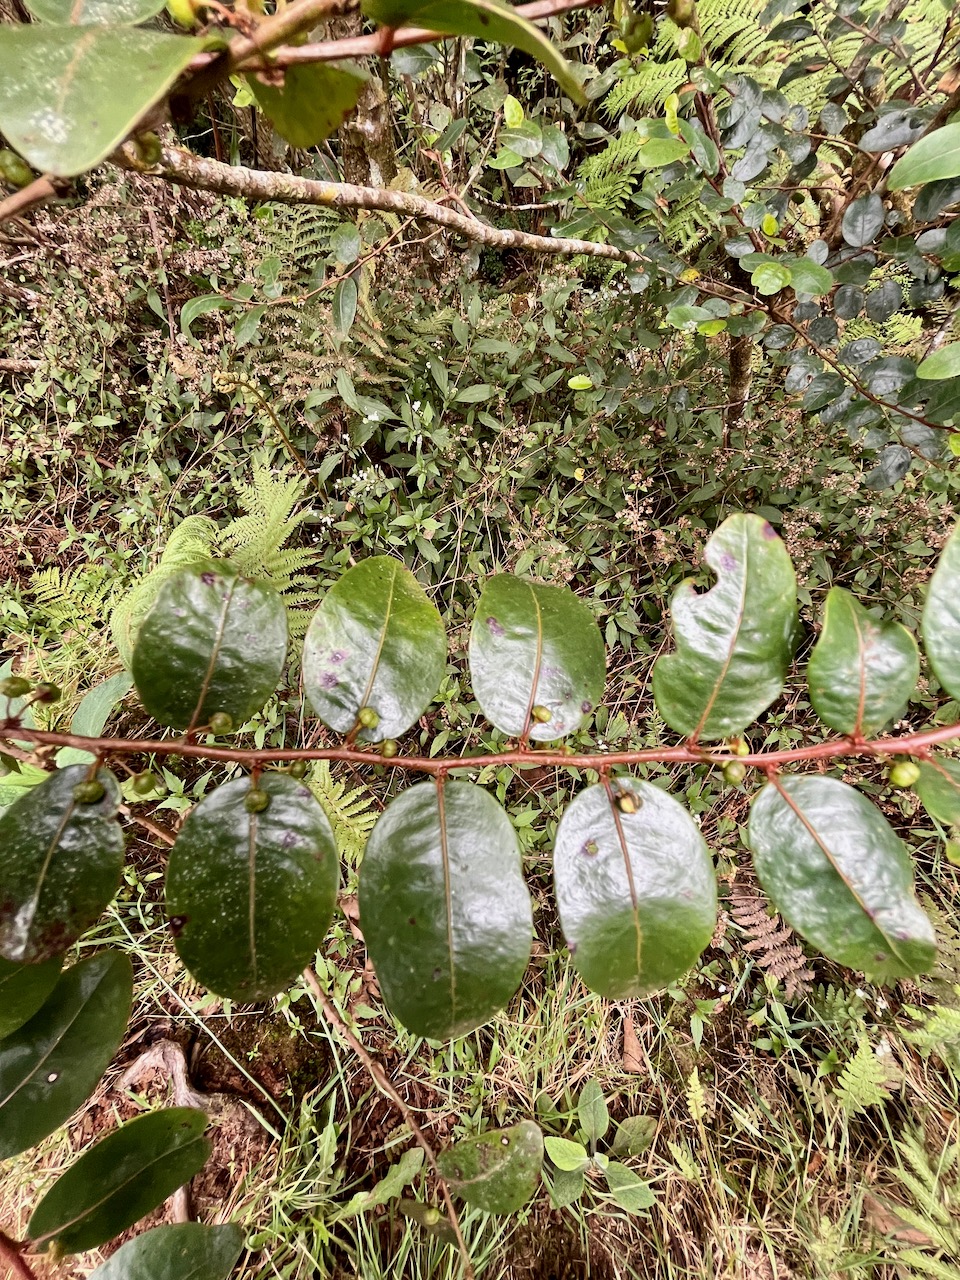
380 1078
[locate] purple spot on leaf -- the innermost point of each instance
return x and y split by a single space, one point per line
586 705
338 655
728 562
328 680
768 530
208 579
495 628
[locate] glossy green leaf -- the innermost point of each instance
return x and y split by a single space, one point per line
376 641
863 221
60 864
489 20
636 891
213 643
107 13
838 873
940 625
862 672
535 649
444 908
121 1179
627 1190
568 1156
807 276
185 1251
592 1111
939 788
499 1171
311 103
735 642
52 1064
92 714
345 298
23 989
934 157
944 363
251 895
397 1178
70 95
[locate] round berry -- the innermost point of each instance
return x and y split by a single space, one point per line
904 774
221 722
89 792
144 783
734 772
297 769
256 801
389 748
368 717
15 687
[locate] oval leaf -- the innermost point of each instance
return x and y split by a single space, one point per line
186 1251
839 874
376 641
944 363
250 895
628 1191
636 891
53 1063
939 788
312 102
736 641
23 989
499 1171
100 12
566 1155
535 649
862 672
70 95
121 1179
940 625
213 642
934 157
345 304
863 221
60 864
444 908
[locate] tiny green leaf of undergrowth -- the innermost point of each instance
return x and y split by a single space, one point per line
839 874
60 864
939 788
488 20
636 890
397 1177
213 643
444 908
592 1111
537 661
312 102
121 1179
251 895
377 643
861 672
934 157
69 95
23 989
628 1191
568 1156
940 624
52 1063
735 642
499 1171
183 1251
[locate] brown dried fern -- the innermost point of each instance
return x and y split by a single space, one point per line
770 941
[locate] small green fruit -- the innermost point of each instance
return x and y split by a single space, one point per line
144 783
368 717
903 774
149 148
541 714
389 748
734 772
89 792
14 169
297 769
221 722
183 13
682 12
47 693
15 687
627 802
256 801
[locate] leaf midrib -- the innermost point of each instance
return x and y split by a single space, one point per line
731 651
387 614
214 654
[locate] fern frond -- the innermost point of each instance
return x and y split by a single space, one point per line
861 1082
936 1031
771 941
350 810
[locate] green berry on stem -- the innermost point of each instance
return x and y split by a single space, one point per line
734 772
542 714
256 801
144 783
221 722
89 792
368 717
903 774
389 748
297 769
15 687
47 693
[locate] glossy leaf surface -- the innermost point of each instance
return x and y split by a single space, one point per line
499 1171
92 714
484 19
312 102
636 891
185 1251
861 672
939 788
60 864
535 647
23 989
735 642
70 95
121 1179
53 1062
934 157
90 12
838 873
250 895
376 641
213 642
444 908
940 625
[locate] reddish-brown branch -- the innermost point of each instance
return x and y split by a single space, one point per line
11 1255
910 744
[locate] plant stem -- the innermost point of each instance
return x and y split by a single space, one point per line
10 1253
382 1081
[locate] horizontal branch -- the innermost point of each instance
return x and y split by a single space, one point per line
912 744
189 170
